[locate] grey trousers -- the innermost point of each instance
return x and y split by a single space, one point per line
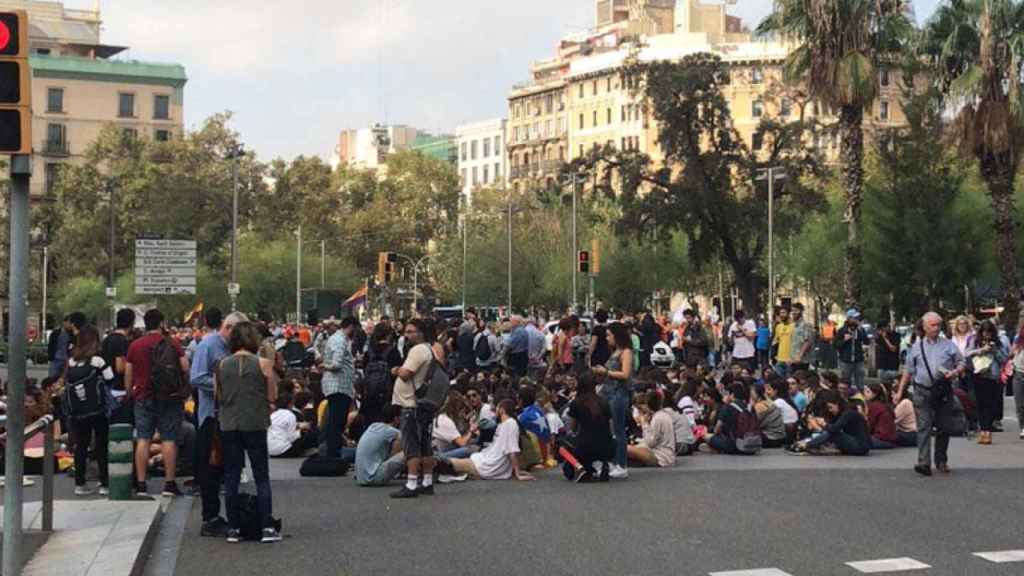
388 471
853 373
930 415
1018 397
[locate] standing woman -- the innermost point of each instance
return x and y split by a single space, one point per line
88 379
963 335
618 380
246 385
986 358
1018 376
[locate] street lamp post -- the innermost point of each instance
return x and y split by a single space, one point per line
575 247
111 295
298 276
234 154
415 277
771 173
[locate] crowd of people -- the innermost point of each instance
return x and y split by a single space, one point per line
593 396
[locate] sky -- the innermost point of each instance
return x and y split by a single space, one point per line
294 74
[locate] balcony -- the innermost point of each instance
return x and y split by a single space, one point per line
59 148
551 166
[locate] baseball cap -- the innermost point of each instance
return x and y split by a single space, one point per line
853 313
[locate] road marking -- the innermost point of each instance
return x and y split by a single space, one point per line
758 572
1003 556
887 565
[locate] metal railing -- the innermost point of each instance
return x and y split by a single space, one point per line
12 521
56 148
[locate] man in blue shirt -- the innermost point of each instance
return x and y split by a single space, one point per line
517 349
205 359
338 382
379 458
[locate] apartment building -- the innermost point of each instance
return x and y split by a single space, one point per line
481 152
368 148
78 87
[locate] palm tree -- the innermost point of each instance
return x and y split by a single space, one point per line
838 47
977 50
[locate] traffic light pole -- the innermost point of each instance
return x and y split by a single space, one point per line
21 174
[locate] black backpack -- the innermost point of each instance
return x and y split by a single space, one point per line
748 431
432 394
168 382
377 379
317 466
250 524
482 348
83 396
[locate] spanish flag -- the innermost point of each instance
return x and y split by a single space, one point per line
357 299
196 311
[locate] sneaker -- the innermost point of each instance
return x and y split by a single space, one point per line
619 472
83 491
216 528
1022 434
450 478
171 490
583 477
234 535
405 493
141 490
104 491
923 469
426 490
270 535
796 449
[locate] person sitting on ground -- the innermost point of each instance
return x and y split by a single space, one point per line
881 419
770 418
287 437
711 405
847 431
685 434
777 392
533 420
796 391
499 461
590 416
685 402
454 432
734 403
658 446
379 458
906 423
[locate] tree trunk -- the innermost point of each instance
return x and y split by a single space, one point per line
998 174
851 151
749 285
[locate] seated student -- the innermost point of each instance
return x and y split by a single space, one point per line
685 402
734 403
769 418
658 446
448 437
533 420
906 423
379 458
881 420
590 417
711 404
777 392
287 437
481 412
499 460
686 439
848 430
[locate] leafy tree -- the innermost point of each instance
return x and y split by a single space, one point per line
707 186
977 50
840 46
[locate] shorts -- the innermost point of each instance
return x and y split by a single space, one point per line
153 416
417 433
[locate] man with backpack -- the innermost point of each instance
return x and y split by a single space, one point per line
486 349
156 372
737 431
416 424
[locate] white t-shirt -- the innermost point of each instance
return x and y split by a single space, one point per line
493 463
417 362
445 433
743 347
789 414
689 409
283 431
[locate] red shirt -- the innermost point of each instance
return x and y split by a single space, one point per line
140 353
881 422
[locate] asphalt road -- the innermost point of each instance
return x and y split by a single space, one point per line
803 516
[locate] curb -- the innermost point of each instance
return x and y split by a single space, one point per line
142 556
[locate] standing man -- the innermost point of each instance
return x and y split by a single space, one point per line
114 350
933 364
415 425
464 342
801 341
850 341
205 359
535 349
695 340
887 351
151 414
782 338
742 332
338 382
517 350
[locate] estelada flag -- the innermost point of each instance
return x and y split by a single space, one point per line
196 311
357 299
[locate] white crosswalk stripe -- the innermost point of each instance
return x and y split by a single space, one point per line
1003 556
758 572
887 565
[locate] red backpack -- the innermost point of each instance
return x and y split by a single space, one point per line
748 431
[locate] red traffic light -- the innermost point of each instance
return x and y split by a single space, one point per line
584 256
10 43
5 36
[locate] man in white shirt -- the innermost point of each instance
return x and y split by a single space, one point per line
500 460
415 427
743 333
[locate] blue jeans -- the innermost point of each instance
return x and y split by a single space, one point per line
236 444
457 453
846 443
337 418
618 400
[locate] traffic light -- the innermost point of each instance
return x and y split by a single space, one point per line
386 267
595 256
15 84
584 262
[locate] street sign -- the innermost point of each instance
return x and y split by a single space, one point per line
111 292
165 267
233 289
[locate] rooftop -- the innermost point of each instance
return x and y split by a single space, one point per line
173 74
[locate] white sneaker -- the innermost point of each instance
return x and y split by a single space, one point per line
618 472
83 491
1022 434
104 491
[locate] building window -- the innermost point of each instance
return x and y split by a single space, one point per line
608 84
55 100
581 121
758 140
624 147
623 113
786 109
549 129
581 150
595 118
756 76
497 145
609 115
497 171
472 150
884 80
52 174
487 147
549 103
883 110
161 107
43 51
464 180
487 170
126 105
55 136
595 87
163 135
726 78
464 147
130 133
476 179
757 109
581 90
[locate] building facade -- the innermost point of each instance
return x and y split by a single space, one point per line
481 155
368 148
78 88
441 147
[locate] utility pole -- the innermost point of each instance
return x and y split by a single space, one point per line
323 264
234 154
111 295
46 274
465 222
509 252
771 173
21 174
298 277
575 246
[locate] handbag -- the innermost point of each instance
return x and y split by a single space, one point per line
942 388
982 363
